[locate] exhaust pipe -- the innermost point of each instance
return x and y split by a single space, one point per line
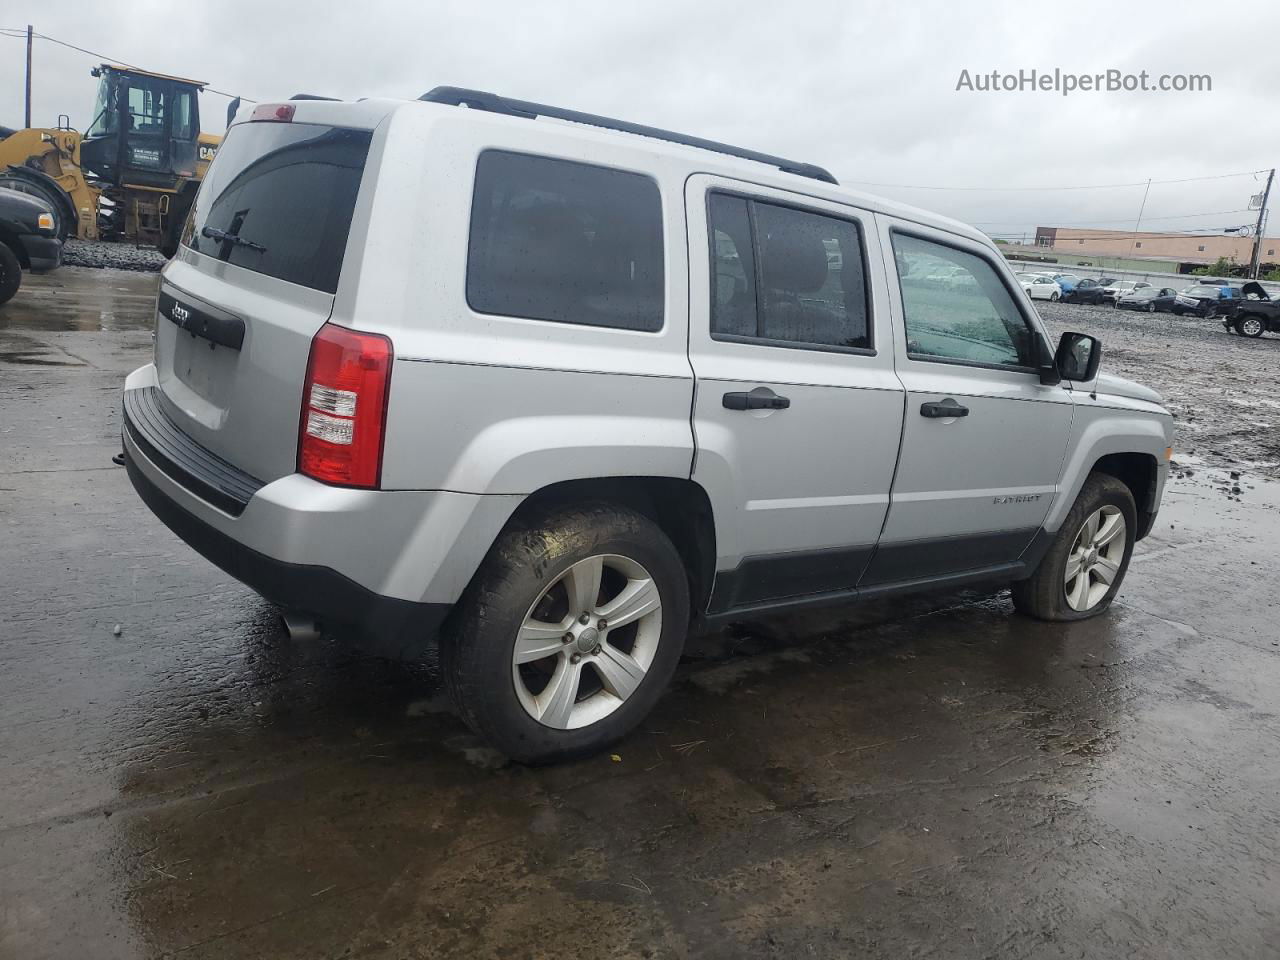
299 626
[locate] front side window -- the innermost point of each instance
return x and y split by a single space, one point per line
786 276
182 126
565 241
957 309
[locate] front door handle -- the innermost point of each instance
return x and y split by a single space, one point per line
755 401
943 409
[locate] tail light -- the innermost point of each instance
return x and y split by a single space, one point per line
344 407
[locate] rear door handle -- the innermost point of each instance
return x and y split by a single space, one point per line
755 401
943 409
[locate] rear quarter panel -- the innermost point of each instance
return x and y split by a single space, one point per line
504 405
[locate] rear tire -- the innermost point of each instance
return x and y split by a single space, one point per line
1053 297
1052 593
504 656
10 273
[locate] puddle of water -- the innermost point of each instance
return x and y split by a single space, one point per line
81 299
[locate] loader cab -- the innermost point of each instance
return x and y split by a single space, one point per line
145 129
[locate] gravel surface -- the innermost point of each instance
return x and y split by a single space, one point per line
118 256
1216 384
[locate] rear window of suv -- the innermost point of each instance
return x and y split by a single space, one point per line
565 241
278 199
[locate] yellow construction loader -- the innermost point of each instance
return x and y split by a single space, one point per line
132 174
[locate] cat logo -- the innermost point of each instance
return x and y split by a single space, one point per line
206 153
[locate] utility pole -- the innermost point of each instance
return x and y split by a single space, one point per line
1138 226
30 34
1255 261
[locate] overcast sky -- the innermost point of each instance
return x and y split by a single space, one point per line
866 89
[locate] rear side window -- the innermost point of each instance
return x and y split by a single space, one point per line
565 241
278 199
785 276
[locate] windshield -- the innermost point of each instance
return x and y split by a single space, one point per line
104 119
1201 291
278 199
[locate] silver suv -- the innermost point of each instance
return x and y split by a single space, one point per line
552 388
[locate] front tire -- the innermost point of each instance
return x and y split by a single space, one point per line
1249 327
10 273
569 632
1053 297
1084 567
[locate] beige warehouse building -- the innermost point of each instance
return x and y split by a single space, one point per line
1179 247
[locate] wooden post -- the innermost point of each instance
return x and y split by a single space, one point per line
1255 262
30 34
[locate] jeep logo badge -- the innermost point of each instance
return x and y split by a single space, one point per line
180 313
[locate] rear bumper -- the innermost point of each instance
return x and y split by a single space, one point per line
389 562
44 253
390 626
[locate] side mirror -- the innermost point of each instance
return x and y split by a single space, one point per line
1078 357
232 108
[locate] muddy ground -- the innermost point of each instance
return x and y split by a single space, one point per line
938 778
1219 387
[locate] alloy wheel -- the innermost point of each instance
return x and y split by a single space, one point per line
587 642
1251 326
1095 558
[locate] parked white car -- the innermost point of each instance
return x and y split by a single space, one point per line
1040 286
1121 288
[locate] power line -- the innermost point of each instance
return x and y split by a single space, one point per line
1092 186
103 57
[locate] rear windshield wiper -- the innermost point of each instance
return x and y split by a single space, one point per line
213 233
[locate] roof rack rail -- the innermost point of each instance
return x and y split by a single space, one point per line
492 103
